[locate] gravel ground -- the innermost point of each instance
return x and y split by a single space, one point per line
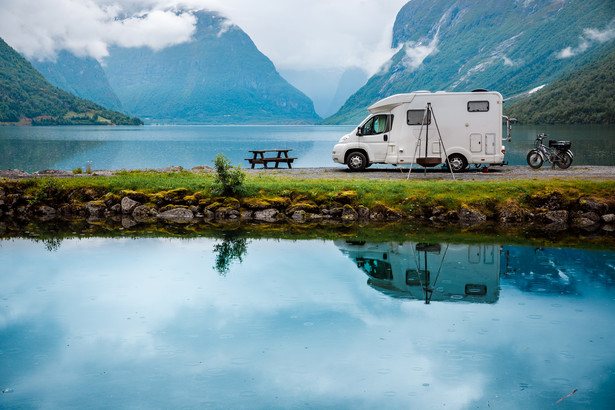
472 174
377 173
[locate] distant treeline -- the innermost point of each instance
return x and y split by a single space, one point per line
25 96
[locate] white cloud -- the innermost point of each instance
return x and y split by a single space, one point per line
295 34
41 29
416 53
590 36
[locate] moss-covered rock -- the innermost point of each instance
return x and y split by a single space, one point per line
305 205
135 196
380 212
347 197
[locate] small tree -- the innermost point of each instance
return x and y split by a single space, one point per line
229 179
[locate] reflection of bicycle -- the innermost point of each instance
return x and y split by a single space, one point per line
557 153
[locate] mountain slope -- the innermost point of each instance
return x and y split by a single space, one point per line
585 96
503 45
26 97
81 76
219 77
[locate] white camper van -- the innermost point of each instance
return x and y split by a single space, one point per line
423 128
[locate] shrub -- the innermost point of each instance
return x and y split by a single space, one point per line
229 179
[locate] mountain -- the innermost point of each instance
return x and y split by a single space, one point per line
81 76
504 45
584 96
220 77
27 98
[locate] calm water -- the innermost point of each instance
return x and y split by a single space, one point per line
199 323
37 148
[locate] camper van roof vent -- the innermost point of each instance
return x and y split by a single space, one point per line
479 90
423 91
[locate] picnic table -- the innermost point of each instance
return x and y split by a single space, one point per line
260 158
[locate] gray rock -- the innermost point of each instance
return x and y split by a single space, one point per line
266 215
96 209
144 213
128 222
128 205
177 215
471 216
590 205
52 172
349 214
557 217
299 216
363 212
583 223
608 218
46 212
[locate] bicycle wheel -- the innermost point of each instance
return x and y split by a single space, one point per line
534 159
564 160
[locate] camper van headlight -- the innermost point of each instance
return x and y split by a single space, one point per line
343 139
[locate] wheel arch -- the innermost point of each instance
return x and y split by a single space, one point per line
353 150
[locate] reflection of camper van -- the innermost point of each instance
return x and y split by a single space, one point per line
441 272
401 130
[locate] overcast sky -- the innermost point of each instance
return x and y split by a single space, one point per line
295 34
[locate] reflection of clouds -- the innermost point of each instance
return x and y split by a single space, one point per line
295 324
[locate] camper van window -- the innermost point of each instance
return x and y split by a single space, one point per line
478 106
415 117
376 125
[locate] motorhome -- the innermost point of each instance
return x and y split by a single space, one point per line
426 128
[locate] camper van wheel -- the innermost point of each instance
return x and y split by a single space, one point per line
357 161
457 162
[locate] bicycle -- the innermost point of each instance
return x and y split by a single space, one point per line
557 153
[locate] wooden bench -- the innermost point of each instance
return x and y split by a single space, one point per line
260 158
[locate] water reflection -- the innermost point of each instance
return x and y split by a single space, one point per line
429 271
232 248
151 323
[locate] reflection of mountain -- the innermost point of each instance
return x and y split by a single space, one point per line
31 156
429 272
555 271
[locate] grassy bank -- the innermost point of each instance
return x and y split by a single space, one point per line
406 196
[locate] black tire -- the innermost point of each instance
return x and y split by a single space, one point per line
457 162
566 160
534 159
356 161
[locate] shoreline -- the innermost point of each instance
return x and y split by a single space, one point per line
557 206
590 172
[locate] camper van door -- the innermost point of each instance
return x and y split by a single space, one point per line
375 134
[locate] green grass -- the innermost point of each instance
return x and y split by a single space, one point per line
404 195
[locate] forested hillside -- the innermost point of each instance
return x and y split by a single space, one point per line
501 45
585 96
27 98
80 76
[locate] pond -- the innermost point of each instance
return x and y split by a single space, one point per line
240 322
66 148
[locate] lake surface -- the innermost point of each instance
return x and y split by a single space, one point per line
261 323
37 148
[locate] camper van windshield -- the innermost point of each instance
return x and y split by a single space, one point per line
415 117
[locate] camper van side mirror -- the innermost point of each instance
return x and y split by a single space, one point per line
359 131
